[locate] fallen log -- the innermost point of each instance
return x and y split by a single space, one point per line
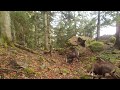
24 48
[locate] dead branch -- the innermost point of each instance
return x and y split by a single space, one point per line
24 48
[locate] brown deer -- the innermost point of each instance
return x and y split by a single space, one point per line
72 53
101 68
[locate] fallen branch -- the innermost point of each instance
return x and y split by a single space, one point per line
24 48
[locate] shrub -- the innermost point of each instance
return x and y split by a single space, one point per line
112 39
96 46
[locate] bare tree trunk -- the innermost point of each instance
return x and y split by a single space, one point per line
49 33
46 30
22 36
98 26
5 21
117 43
75 24
35 36
13 32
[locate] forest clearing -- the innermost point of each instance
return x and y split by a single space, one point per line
59 45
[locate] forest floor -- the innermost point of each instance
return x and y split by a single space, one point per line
16 63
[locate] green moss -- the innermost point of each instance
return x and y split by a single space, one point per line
96 46
109 56
29 71
92 59
112 39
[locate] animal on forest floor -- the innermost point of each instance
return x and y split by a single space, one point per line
81 42
72 54
101 68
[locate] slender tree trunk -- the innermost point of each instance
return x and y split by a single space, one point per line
22 35
35 36
98 26
83 32
46 30
117 43
13 33
5 21
75 24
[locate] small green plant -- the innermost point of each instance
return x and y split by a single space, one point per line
29 71
65 71
112 39
96 46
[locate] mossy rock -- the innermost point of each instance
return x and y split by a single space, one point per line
96 46
73 40
112 39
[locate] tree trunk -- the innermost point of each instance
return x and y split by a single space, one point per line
75 32
5 21
117 43
46 30
35 37
13 32
22 37
98 26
